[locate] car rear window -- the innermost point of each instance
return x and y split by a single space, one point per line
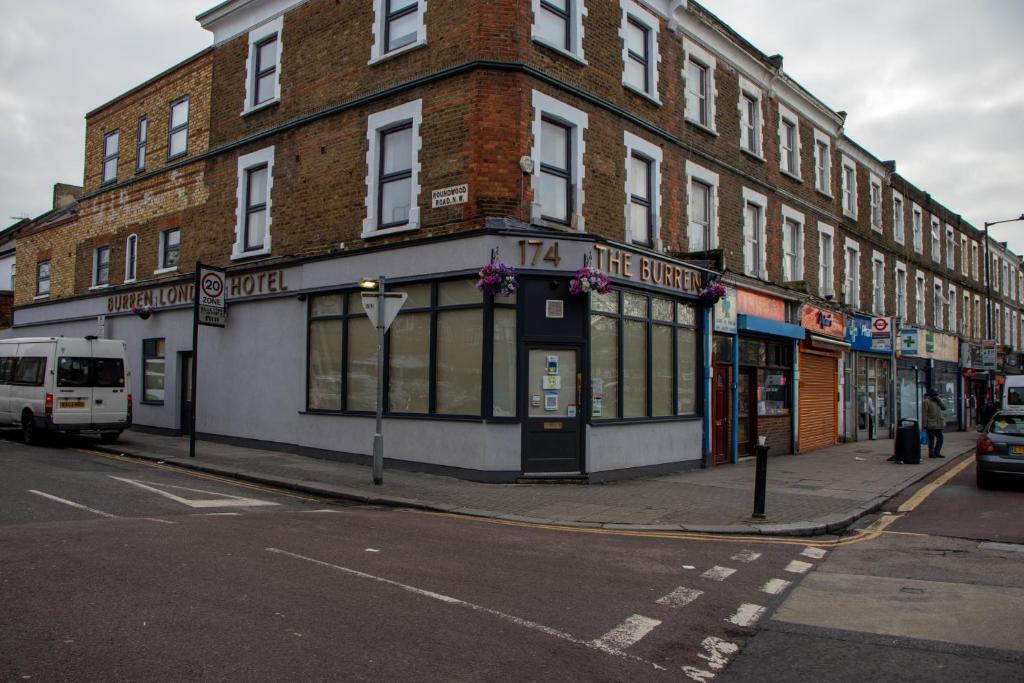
108 372
90 372
1010 425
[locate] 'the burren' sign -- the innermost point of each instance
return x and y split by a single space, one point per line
238 286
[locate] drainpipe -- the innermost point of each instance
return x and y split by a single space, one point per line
794 394
734 446
708 331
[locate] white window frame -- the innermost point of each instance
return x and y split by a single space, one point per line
786 115
576 120
106 158
820 137
826 284
246 162
749 89
632 10
900 282
998 324
875 200
698 54
761 201
1006 278
161 246
974 261
653 153
851 298
950 247
936 239
378 50
256 36
377 122
965 315
964 256
849 192
877 270
131 265
577 10
917 227
709 178
899 223
951 314
790 214
96 284
938 300
920 298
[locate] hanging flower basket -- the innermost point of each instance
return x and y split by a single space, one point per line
589 280
142 311
498 279
712 293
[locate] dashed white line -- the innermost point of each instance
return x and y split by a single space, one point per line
627 633
73 504
717 573
371 550
525 623
798 567
717 653
775 586
680 597
815 553
746 615
746 556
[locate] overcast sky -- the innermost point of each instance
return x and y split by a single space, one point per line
937 85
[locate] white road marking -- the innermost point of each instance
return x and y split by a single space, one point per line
775 586
717 652
1007 547
746 556
698 674
224 499
688 566
222 514
746 615
73 504
161 521
798 567
718 573
372 550
680 597
628 633
525 623
815 553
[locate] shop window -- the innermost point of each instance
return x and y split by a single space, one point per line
773 362
153 370
643 357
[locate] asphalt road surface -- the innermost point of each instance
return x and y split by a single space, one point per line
936 595
113 569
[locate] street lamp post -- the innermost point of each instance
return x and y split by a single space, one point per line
988 293
378 435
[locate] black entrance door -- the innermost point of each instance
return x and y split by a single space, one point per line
552 428
185 382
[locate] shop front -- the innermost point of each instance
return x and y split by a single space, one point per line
975 383
546 382
871 358
943 354
820 357
725 367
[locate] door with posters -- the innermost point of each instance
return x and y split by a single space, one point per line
552 429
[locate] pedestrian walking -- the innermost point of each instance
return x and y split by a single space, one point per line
934 421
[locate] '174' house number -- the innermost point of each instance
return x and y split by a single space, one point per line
531 250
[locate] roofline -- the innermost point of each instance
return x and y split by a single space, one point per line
148 82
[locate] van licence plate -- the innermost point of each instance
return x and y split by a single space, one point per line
71 404
1016 450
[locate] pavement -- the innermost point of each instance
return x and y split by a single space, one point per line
809 494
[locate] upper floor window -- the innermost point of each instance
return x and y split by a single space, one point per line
876 204
938 315
936 242
140 145
951 310
901 291
917 226
822 163
131 258
559 25
399 26
170 244
177 143
392 179
898 229
750 118
755 259
919 298
101 266
878 283
1006 279
852 294
789 142
950 248
263 68
558 146
43 278
826 268
964 252
640 56
974 260
701 208
110 145
643 188
254 197
699 72
792 245
849 188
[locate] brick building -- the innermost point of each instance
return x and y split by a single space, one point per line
317 143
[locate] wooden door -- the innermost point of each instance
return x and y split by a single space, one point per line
720 413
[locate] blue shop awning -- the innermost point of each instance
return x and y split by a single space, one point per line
751 323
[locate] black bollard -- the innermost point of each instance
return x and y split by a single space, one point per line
760 479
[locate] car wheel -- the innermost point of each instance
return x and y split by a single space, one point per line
110 437
29 435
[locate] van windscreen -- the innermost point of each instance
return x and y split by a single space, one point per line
108 372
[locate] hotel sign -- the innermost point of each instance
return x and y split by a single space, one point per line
236 287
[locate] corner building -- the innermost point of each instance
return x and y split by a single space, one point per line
316 144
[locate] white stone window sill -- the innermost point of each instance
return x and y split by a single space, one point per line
39 297
639 92
700 126
754 155
241 255
261 106
162 271
394 53
128 281
562 51
95 287
408 227
789 174
877 228
853 217
825 193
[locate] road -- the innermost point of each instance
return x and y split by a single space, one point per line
116 570
936 595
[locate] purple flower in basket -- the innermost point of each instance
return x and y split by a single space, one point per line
712 292
498 279
589 280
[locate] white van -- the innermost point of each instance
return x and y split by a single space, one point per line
1013 393
64 384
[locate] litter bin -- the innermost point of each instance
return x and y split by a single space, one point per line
907 445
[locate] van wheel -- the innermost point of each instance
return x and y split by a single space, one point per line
110 437
29 435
